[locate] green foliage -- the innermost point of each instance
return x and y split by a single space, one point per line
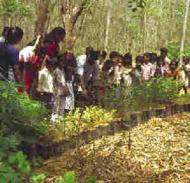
149 94
79 120
14 166
19 112
157 90
38 178
70 177
15 8
174 50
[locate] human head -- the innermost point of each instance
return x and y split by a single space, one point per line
139 61
127 59
92 57
5 31
57 35
186 60
70 59
103 54
14 35
114 57
88 50
51 64
146 58
153 58
62 61
163 52
173 64
160 61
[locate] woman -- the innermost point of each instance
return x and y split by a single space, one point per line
9 55
28 58
52 40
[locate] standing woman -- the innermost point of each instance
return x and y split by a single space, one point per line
9 54
52 40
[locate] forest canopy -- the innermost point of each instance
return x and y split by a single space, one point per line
123 25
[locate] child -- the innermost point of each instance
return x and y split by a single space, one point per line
45 83
70 66
147 68
127 69
60 91
173 70
161 70
136 73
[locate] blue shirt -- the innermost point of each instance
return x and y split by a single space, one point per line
9 57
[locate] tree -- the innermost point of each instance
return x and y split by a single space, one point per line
43 15
70 14
184 31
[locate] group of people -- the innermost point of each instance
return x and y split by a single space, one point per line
57 79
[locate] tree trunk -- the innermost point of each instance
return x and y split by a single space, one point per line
70 13
42 16
184 31
108 5
70 37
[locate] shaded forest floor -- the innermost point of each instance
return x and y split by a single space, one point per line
157 151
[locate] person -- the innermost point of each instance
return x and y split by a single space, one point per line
82 59
52 40
91 70
45 83
28 58
127 69
136 73
173 70
70 66
60 90
185 74
4 34
102 58
147 68
164 56
50 45
113 56
9 55
161 70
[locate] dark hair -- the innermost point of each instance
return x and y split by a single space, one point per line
153 57
127 59
93 56
103 53
160 59
128 56
5 31
174 61
139 59
55 35
14 35
88 50
113 54
164 50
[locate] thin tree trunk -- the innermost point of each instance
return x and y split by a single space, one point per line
43 16
184 31
108 5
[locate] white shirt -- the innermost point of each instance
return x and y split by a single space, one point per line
26 54
147 71
81 60
2 39
45 81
